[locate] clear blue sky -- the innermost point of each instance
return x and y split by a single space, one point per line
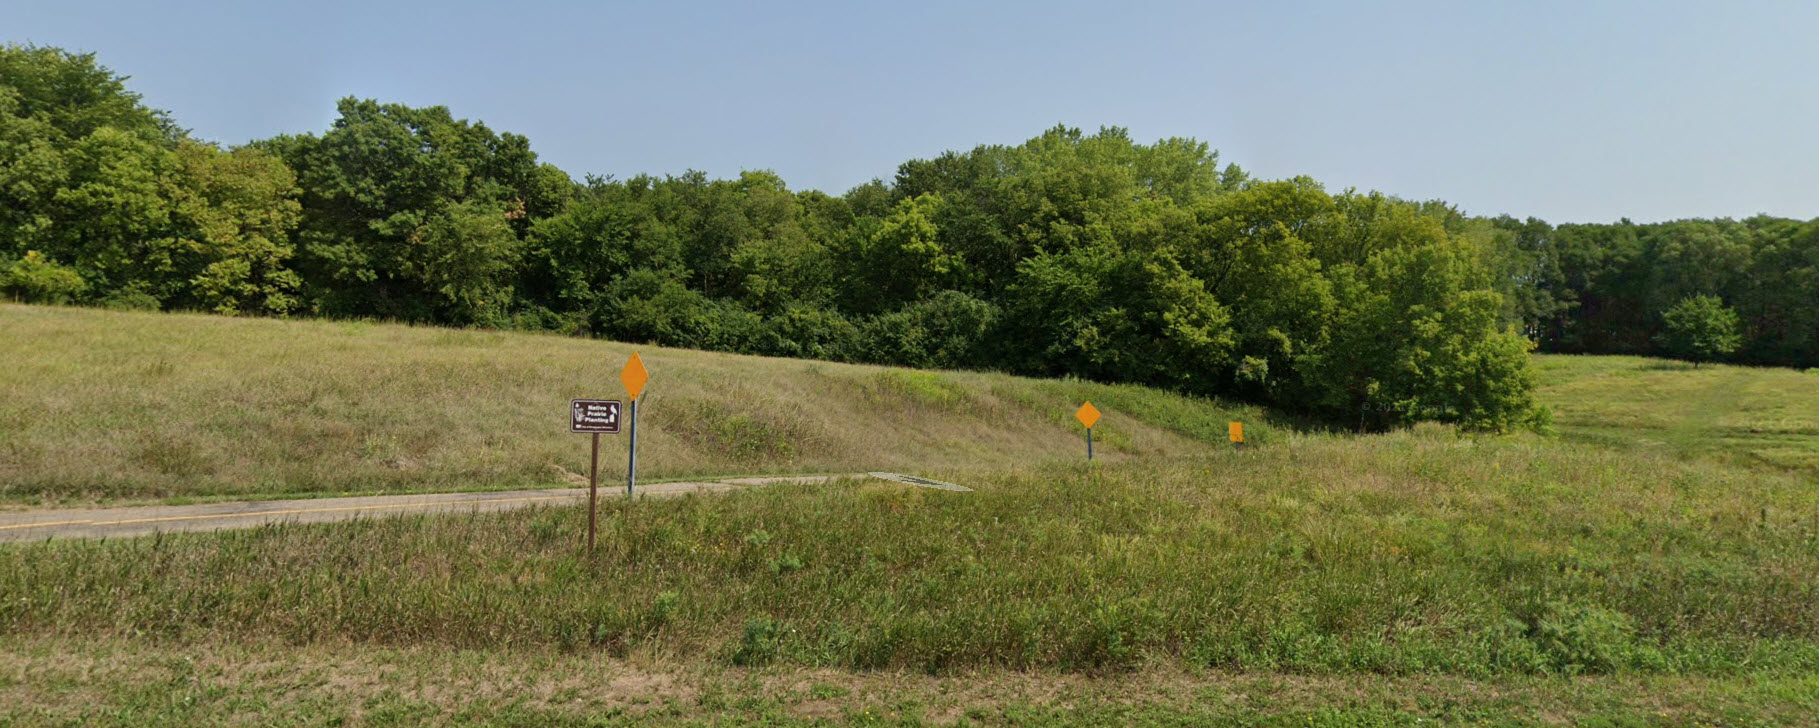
1565 110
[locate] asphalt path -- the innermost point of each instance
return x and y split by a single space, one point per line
44 524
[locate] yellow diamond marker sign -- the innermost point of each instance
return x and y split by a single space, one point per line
1088 415
634 376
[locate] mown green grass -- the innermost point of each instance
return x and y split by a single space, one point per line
1417 553
104 406
1746 415
111 682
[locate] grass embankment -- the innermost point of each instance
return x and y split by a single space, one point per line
99 405
1323 580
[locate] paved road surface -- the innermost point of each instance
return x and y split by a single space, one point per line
42 524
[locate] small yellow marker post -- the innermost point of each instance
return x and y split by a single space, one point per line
633 377
1089 416
1237 430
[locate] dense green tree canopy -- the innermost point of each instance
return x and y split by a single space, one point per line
412 214
1607 288
1071 254
103 199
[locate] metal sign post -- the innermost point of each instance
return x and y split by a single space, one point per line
633 376
631 466
1089 416
596 417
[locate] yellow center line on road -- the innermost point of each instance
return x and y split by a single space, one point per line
291 511
47 523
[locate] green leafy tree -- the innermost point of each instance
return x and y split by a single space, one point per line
1418 336
465 257
233 216
779 262
1616 279
410 213
654 307
1070 254
1779 305
114 214
902 259
1255 250
1701 329
573 258
32 169
97 183
1530 276
946 331
84 165
710 219
805 331
1117 315
35 279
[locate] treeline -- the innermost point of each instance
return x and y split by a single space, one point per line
1609 289
1070 254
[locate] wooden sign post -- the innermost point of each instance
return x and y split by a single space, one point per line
595 417
1089 416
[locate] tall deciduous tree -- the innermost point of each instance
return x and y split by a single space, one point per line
411 213
234 215
96 183
1701 329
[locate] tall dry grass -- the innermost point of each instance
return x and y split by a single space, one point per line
108 405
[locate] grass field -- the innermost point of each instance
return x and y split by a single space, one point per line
1747 415
1644 565
108 406
1341 582
1408 553
133 684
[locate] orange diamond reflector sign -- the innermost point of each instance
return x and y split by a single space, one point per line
1088 415
634 376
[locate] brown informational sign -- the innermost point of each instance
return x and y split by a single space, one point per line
594 415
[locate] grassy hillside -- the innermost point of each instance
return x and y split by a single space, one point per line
1645 566
106 405
1746 415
